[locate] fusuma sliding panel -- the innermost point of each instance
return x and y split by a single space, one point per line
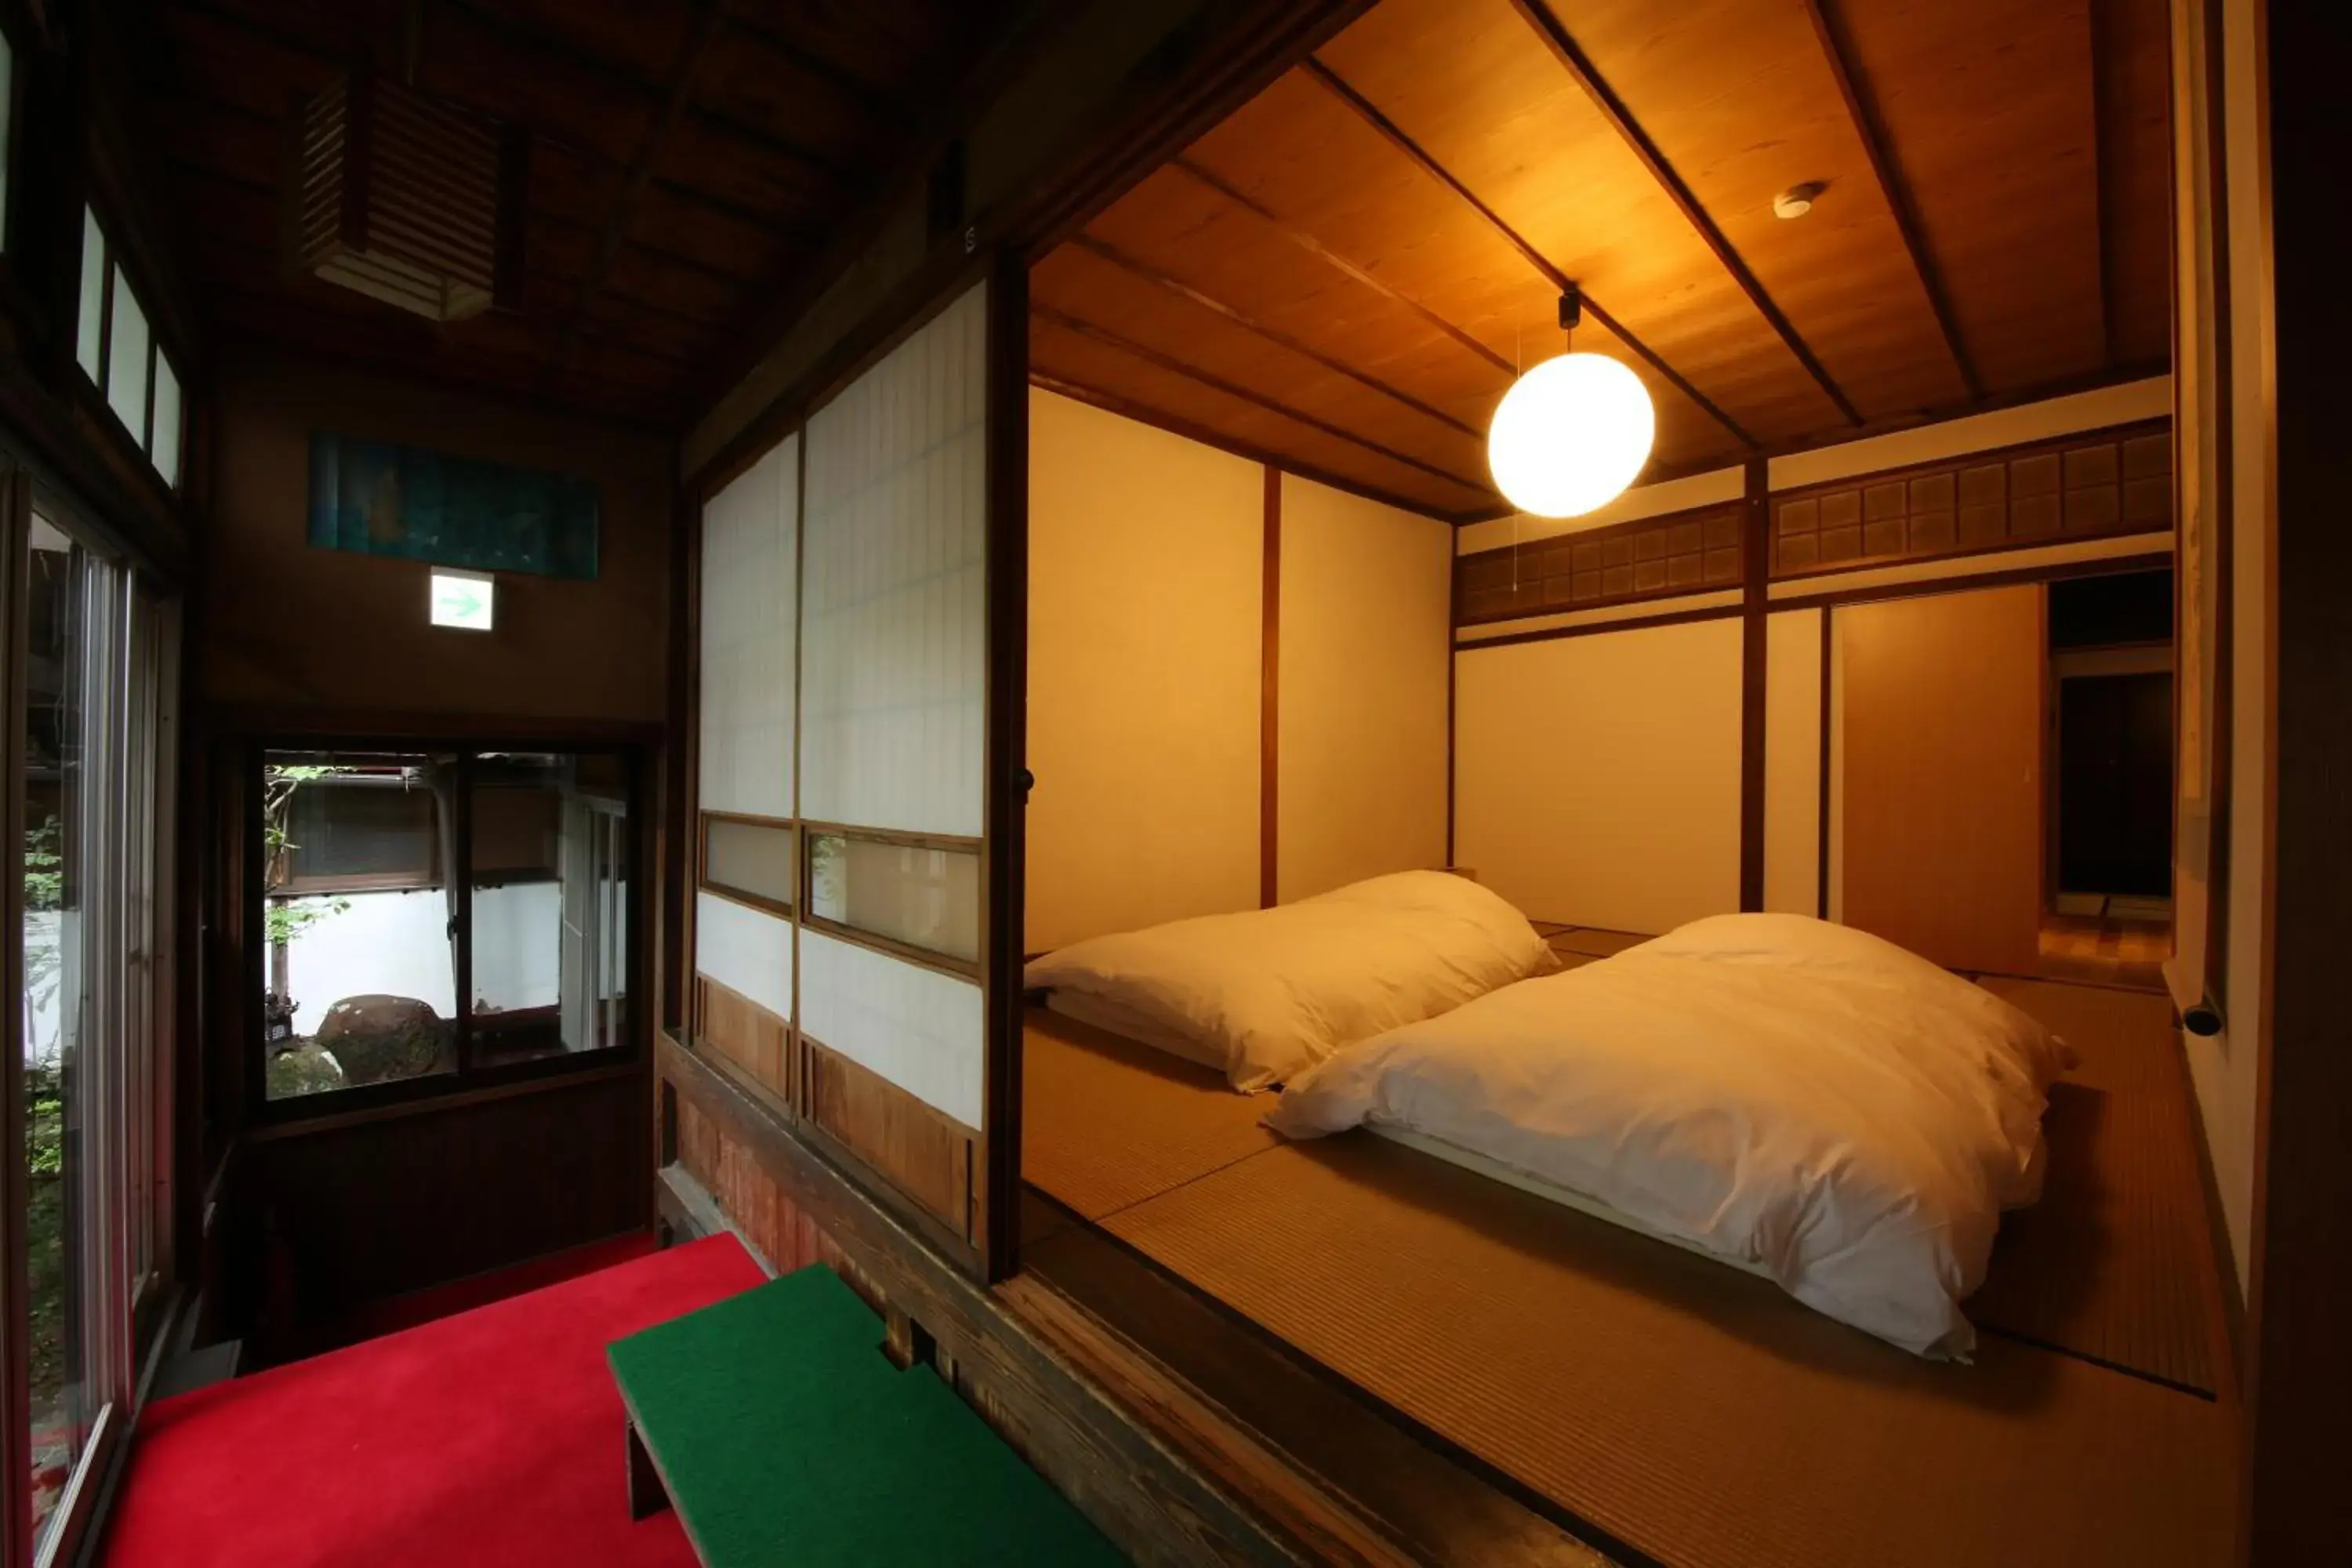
1366 637
894 656
1597 776
1941 713
1147 561
890 1061
750 605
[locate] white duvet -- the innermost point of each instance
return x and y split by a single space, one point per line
1267 993
1802 1100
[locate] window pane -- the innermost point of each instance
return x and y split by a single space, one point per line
749 858
7 89
166 445
550 891
90 320
126 360
922 897
362 979
54 938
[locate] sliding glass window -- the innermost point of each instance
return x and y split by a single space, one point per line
434 914
93 749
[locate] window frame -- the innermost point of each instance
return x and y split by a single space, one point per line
971 969
469 1079
784 910
113 274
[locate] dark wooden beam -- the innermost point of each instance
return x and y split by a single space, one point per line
553 46
1127 407
1316 71
1564 49
1862 108
1317 248
1755 604
870 98
1272 334
203 101
704 28
1209 379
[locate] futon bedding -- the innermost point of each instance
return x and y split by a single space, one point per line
1263 995
1794 1097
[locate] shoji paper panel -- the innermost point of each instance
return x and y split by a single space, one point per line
1366 638
1793 761
749 602
1146 575
894 652
1597 776
922 1030
745 950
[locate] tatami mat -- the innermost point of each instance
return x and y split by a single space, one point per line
1106 1122
1691 1411
2117 1260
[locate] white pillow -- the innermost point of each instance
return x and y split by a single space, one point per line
1269 992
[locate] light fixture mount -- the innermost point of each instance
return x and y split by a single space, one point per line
1798 200
1572 309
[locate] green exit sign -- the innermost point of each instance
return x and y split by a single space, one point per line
463 599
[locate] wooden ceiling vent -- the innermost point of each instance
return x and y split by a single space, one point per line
407 200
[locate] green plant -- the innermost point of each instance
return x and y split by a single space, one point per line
284 920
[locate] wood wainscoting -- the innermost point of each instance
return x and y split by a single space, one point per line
925 1154
749 1036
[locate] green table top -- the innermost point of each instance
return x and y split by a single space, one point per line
783 1434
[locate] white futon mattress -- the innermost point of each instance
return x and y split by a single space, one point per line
1797 1098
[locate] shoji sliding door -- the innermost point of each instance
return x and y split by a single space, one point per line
748 848
891 1049
857 879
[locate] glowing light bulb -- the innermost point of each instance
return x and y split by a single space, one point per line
1571 435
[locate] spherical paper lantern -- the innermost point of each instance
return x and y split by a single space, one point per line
1571 435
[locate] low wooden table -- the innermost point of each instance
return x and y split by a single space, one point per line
776 1426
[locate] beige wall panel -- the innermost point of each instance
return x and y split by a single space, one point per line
1366 627
1597 776
1941 798
1793 761
1145 561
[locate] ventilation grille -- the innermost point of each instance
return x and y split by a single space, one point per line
406 200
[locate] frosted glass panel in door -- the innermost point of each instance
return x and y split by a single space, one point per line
749 538
893 649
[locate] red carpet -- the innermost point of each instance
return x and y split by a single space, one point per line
493 1436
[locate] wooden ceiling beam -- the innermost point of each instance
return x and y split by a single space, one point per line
869 98
1324 75
530 40
705 27
1861 109
1144 414
1243 318
765 223
1338 263
1215 382
1538 15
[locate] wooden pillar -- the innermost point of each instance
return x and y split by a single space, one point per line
1756 571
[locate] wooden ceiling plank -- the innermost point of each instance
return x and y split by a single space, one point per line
1239 317
1317 248
548 46
1169 362
1126 407
1546 25
707 18
1871 128
1395 134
